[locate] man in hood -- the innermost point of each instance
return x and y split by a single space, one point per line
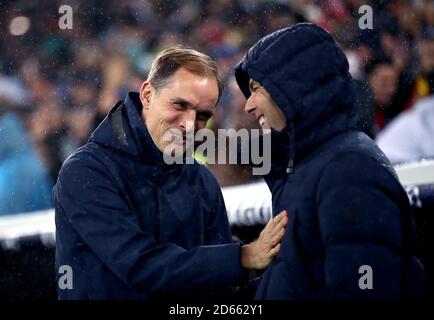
350 233
129 225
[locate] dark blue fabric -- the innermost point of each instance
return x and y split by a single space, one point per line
346 206
132 227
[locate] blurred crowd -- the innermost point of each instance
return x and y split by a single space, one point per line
57 85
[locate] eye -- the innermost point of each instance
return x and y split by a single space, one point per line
179 105
203 117
253 87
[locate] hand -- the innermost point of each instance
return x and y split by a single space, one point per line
259 254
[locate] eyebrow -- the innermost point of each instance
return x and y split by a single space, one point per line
252 85
187 103
181 100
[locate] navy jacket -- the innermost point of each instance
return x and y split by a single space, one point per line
347 209
132 227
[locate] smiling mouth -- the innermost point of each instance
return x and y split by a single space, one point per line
261 120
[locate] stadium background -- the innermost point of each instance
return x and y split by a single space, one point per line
59 84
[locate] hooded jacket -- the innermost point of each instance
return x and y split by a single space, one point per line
350 233
132 227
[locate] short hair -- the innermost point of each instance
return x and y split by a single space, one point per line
171 59
372 64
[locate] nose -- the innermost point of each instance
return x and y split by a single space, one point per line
188 119
250 106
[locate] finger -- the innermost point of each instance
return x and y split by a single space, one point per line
281 216
272 240
278 237
273 235
280 224
275 224
278 217
274 251
271 228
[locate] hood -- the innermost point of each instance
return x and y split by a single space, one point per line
123 130
306 73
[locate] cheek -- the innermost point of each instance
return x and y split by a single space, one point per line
262 104
165 117
170 118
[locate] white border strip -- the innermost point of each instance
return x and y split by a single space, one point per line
417 173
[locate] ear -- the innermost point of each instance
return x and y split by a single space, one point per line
145 94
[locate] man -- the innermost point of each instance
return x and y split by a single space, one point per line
350 231
129 225
382 77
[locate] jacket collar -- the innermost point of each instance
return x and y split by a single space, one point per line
123 130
